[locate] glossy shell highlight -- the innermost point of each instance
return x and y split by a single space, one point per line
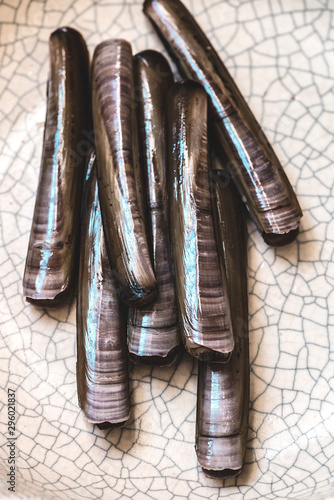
223 390
52 251
153 331
120 184
249 157
200 284
102 371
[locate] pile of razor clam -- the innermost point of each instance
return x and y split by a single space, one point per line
162 237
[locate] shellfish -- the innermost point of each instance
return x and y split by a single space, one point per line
102 372
203 303
153 335
119 177
251 160
223 390
50 264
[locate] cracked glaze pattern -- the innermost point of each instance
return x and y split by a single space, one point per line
281 55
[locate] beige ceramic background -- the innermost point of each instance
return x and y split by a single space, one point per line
281 54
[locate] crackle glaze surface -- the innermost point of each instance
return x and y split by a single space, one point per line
281 55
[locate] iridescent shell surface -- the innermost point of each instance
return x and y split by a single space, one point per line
120 185
52 251
153 332
199 278
223 390
102 371
256 169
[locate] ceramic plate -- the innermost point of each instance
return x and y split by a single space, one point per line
282 56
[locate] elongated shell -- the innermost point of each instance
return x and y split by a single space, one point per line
256 169
118 172
53 243
223 390
203 305
153 335
102 372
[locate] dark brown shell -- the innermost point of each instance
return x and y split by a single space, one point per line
118 172
102 372
203 304
251 160
153 334
223 390
53 245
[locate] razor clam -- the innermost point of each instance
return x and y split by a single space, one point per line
253 163
223 390
200 286
153 335
102 372
118 172
53 244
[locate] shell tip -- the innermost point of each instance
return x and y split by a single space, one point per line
221 474
160 361
280 240
109 425
147 4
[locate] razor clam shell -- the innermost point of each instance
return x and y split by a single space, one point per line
102 372
119 173
203 304
153 333
253 163
223 390
51 257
